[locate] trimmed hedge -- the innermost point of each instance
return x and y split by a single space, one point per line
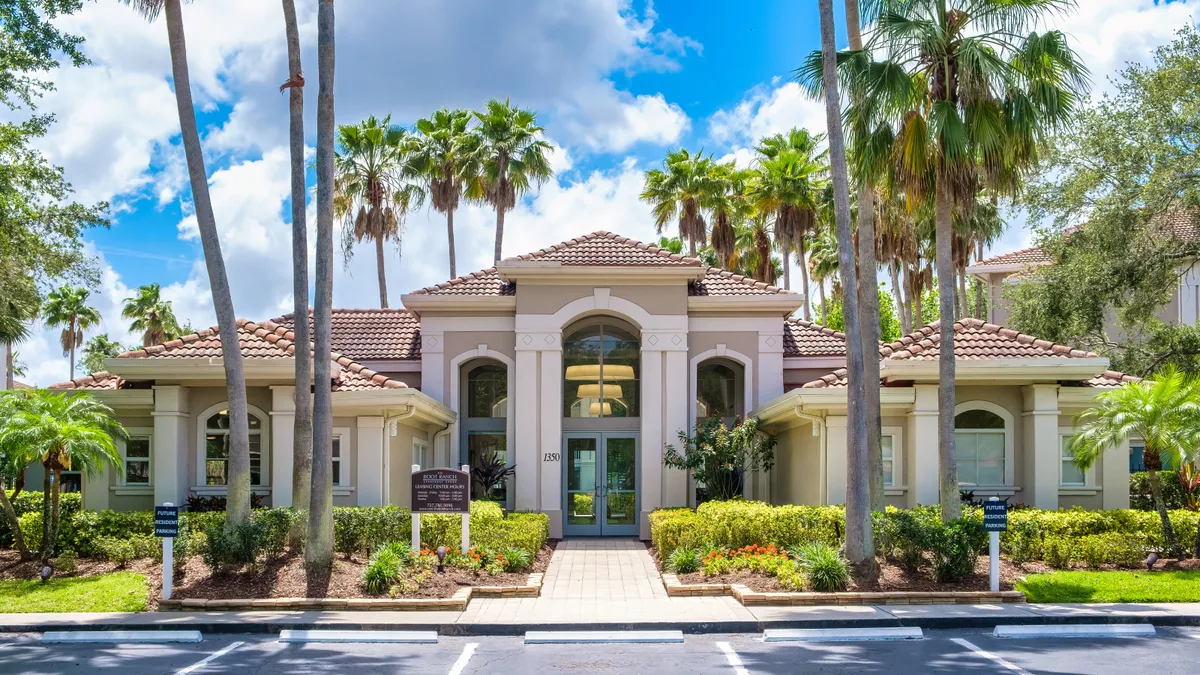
1139 491
30 501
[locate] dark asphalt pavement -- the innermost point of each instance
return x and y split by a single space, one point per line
1173 652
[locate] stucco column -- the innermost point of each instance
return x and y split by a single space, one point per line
770 387
172 448
675 419
283 418
550 424
835 459
1040 445
1114 469
653 441
921 447
95 488
433 367
528 437
369 483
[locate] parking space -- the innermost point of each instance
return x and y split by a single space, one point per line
963 651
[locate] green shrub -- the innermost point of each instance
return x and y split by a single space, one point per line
237 546
735 524
276 524
528 531
905 535
954 548
826 570
30 501
518 559
383 570
1140 497
1110 548
66 563
1022 542
683 561
120 551
790 576
1059 551
31 527
86 527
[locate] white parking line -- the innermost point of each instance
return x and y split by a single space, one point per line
546 637
1117 630
732 657
988 655
210 658
464 658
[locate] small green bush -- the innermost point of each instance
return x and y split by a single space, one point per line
383 570
824 567
1142 499
1059 551
954 548
518 559
67 562
683 561
237 546
31 527
1110 548
30 501
120 551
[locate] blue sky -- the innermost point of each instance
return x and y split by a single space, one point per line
616 83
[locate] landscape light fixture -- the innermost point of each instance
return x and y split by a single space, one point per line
47 572
1150 560
441 556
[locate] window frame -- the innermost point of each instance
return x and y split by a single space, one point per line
739 386
264 434
602 322
122 447
1089 476
423 445
1009 448
342 436
896 433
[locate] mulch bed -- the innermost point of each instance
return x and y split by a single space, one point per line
282 577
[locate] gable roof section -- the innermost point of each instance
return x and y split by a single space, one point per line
604 249
975 340
805 338
371 334
265 340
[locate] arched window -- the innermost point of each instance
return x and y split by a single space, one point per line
483 424
600 370
719 389
980 446
216 449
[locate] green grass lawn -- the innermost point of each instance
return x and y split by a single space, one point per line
1080 586
116 592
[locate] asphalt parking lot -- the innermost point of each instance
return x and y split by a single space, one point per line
1173 651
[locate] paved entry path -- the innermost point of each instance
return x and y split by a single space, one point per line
603 579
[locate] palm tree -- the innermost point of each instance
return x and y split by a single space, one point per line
151 315
789 180
66 307
1163 412
71 432
823 264
373 196
670 245
895 247
514 156
972 95
96 350
19 304
237 502
677 192
302 432
726 200
447 157
860 549
318 548
972 234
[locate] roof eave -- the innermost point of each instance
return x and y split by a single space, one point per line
997 370
1003 268
196 368
418 302
785 303
427 409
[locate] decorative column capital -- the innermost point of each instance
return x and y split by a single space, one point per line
539 341
664 341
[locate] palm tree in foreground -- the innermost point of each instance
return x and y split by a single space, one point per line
66 307
972 95
1163 412
65 432
677 192
372 196
237 504
152 316
514 156
447 158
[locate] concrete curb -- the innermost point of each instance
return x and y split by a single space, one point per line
750 598
691 628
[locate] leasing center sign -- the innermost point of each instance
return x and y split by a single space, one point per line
441 491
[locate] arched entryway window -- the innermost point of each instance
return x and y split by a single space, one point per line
483 421
601 360
720 390
980 443
216 448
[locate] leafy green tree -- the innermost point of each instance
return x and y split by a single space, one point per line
973 91
448 158
514 157
152 316
32 47
19 304
66 307
65 432
677 192
889 324
96 350
373 193
1163 412
1126 170
718 456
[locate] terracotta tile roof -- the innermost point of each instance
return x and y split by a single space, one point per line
371 333
1111 378
265 340
804 338
603 249
974 340
1033 255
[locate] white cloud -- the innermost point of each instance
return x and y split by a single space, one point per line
766 110
616 121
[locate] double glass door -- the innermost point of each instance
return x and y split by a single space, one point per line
601 483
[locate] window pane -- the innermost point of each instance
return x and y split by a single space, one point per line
991 458
716 391
137 447
600 372
137 472
215 472
487 451
885 447
620 370
487 392
964 451
337 447
978 419
581 368
255 460
1071 474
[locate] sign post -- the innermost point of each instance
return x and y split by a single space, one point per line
995 521
166 527
441 491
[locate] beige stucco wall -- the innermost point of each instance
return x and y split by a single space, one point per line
458 342
796 478
400 459
540 299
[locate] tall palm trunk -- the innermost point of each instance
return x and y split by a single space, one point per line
237 504
824 307
898 296
380 270
9 377
450 237
10 514
868 321
951 507
803 276
853 29
786 245
48 486
859 546
499 232
979 313
72 350
302 433
318 550
1153 461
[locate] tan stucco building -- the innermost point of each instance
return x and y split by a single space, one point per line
578 364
